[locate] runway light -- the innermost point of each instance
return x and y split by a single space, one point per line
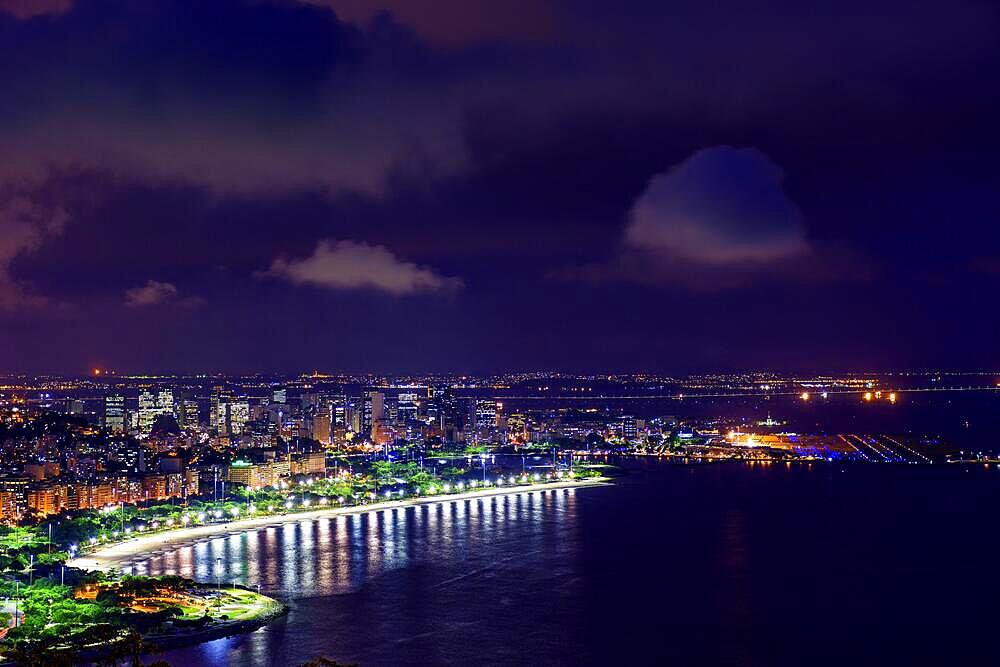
805 396
892 397
868 396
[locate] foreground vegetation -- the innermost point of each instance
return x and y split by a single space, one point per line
93 616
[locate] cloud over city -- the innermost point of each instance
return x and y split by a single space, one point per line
348 265
722 205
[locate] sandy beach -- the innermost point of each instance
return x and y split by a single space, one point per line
123 554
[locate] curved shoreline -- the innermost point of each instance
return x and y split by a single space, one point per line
223 629
137 549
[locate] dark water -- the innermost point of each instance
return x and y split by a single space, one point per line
725 564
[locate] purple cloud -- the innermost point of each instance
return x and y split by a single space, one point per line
347 265
721 205
153 293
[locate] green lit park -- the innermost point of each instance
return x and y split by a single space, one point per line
57 611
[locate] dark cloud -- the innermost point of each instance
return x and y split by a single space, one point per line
455 23
195 142
26 9
239 96
25 223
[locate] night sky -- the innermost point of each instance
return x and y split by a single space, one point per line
463 185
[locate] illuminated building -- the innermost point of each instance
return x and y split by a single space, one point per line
154 487
191 486
247 474
627 424
407 407
165 402
321 427
40 471
517 425
187 414
147 412
114 413
373 410
486 414
133 457
238 416
13 499
338 411
313 463
260 475
218 410
90 496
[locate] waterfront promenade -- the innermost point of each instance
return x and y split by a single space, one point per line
121 555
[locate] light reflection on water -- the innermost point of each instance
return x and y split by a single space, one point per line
704 564
337 555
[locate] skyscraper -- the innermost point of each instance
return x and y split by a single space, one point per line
218 410
114 413
165 402
187 413
373 411
486 414
443 408
239 415
406 407
147 412
151 406
320 427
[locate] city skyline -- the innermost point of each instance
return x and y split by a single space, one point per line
464 332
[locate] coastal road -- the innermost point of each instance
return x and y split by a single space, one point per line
122 554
